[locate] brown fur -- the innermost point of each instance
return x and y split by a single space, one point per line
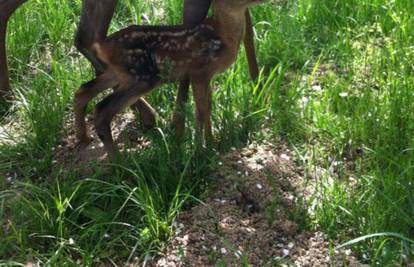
7 8
141 58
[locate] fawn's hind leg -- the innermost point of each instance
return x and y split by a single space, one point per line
110 106
82 97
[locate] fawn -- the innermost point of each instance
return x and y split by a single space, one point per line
141 58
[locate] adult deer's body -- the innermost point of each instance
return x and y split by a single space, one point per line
138 59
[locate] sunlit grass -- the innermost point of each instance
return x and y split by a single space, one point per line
337 82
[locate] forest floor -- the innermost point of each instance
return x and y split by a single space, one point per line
254 213
253 216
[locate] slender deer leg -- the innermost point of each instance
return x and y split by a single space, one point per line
203 109
7 8
195 12
208 132
109 107
82 97
95 19
249 45
178 120
4 71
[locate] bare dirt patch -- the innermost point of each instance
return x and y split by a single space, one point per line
126 133
254 215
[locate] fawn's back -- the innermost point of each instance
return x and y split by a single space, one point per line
156 53
167 53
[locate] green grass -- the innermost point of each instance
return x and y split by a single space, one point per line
338 85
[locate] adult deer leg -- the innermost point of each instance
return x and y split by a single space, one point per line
4 71
7 8
195 11
95 19
94 23
249 45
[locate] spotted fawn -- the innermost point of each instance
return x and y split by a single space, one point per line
141 58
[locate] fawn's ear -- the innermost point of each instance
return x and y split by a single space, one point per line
195 11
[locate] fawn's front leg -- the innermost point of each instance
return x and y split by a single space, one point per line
178 120
193 14
110 106
202 98
83 96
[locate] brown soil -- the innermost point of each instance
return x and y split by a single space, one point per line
253 215
125 131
